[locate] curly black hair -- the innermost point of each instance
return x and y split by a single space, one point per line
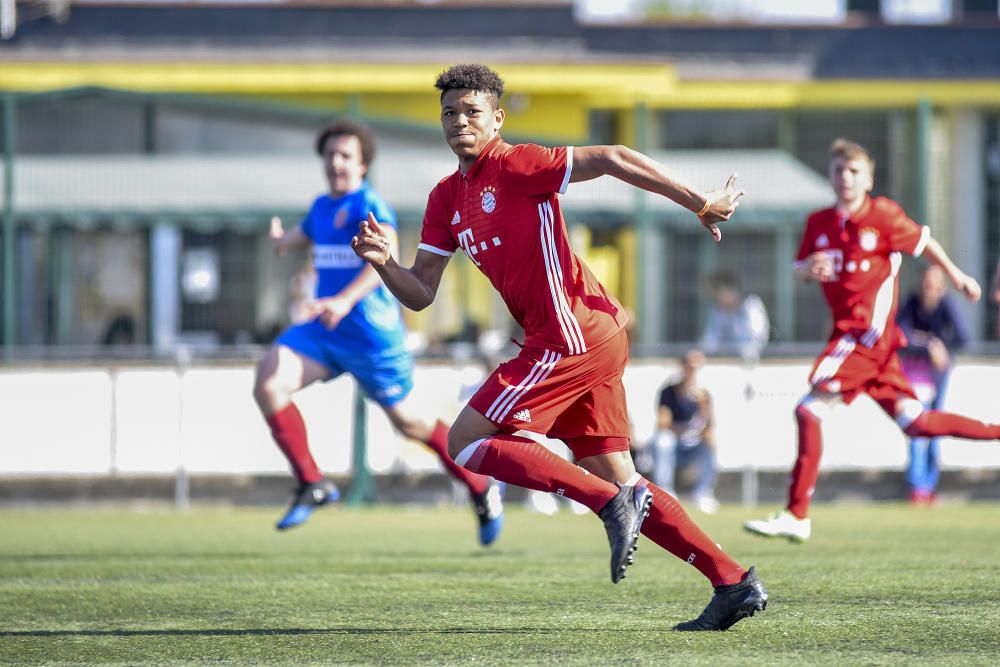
479 78
349 128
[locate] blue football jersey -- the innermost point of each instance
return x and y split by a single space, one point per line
376 321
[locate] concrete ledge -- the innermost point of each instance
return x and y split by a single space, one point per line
436 488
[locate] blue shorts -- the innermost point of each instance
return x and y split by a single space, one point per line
385 375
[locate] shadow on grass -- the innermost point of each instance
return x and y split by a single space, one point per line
41 558
220 632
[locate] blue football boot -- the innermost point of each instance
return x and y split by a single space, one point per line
489 511
307 498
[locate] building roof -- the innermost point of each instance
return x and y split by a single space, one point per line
244 190
494 30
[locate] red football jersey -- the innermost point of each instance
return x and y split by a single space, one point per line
504 214
866 250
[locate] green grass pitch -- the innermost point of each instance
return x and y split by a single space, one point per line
878 584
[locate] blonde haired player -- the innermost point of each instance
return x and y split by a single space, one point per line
854 250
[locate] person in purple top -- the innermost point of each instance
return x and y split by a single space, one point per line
934 329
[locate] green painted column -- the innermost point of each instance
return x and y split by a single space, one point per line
355 108
362 484
9 228
784 281
708 260
787 132
647 270
922 160
65 284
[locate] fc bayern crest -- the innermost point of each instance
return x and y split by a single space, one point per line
489 199
868 238
340 219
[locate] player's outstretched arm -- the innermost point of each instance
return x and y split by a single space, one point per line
963 282
636 169
416 286
282 240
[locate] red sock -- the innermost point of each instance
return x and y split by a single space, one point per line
806 469
439 443
526 463
289 431
933 423
670 527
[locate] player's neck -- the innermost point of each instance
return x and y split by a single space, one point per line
465 163
337 194
849 208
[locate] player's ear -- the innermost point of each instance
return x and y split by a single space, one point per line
499 115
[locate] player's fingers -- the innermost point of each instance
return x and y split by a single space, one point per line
276 229
732 181
373 223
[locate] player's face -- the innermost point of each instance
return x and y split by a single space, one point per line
469 122
933 288
851 179
342 164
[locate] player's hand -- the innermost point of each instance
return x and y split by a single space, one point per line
938 353
277 234
330 311
968 286
371 243
723 203
820 266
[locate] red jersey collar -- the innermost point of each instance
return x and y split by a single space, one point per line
488 149
863 210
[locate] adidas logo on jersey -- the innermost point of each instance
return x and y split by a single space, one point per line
456 218
522 415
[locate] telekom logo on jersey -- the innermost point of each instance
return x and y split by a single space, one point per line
339 256
472 248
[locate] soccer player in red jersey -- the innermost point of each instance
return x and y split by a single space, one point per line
854 250
501 207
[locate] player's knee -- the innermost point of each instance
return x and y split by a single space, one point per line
269 393
456 443
811 409
909 414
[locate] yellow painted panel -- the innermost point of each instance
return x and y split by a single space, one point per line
293 78
605 263
555 97
628 253
558 117
554 118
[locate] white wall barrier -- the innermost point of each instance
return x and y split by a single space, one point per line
147 420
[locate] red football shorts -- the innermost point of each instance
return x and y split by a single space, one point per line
563 397
848 368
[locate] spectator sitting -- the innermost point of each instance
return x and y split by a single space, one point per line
933 329
684 437
121 331
735 324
